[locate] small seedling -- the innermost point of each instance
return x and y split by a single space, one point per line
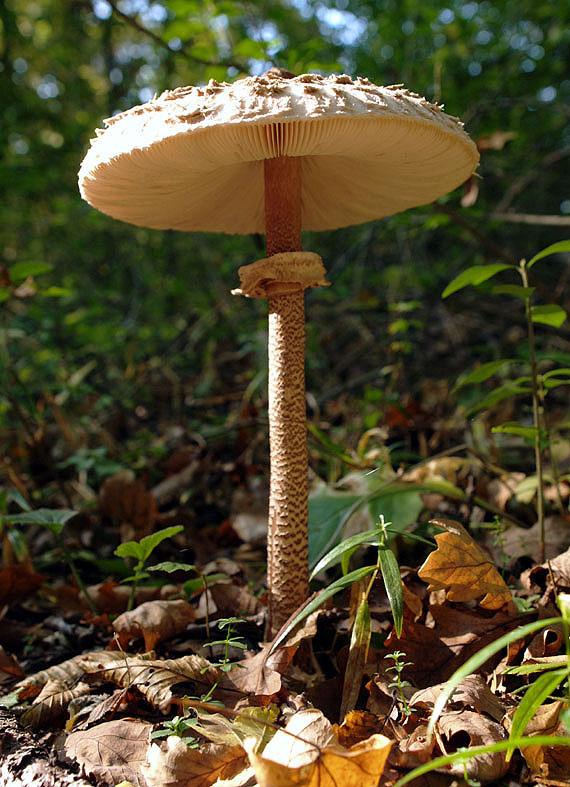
535 384
141 552
398 685
228 642
179 726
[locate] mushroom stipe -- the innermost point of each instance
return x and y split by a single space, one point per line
278 154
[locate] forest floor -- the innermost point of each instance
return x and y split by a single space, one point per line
167 679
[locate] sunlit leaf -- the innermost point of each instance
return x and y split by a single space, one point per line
53 519
512 427
555 248
21 270
393 584
475 275
483 372
516 290
548 314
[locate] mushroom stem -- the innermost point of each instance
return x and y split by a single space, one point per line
287 542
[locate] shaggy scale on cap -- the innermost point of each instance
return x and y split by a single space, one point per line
192 159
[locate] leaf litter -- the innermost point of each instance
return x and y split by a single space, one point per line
163 694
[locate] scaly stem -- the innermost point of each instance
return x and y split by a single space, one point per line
536 411
287 542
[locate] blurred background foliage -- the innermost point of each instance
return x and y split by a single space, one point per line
113 323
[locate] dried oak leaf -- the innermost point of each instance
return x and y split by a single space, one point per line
472 693
9 666
311 756
18 582
112 752
260 675
174 764
549 762
462 568
68 672
50 706
127 500
153 678
155 621
471 729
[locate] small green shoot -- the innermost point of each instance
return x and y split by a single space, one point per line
141 551
178 726
398 684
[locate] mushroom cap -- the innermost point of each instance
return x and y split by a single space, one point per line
192 159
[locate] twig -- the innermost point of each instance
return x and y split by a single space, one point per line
532 218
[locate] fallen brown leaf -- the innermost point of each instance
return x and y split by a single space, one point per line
9 666
462 568
472 693
50 706
113 751
548 762
455 728
18 582
154 621
125 499
153 678
174 764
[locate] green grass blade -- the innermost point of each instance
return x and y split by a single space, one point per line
478 659
464 755
320 598
335 555
532 700
393 584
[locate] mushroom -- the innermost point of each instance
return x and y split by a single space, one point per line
277 154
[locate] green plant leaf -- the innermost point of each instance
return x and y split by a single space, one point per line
533 698
142 550
548 314
475 275
512 427
464 755
5 294
482 373
524 293
335 555
320 598
53 519
555 248
393 584
21 270
478 659
170 566
556 373
496 396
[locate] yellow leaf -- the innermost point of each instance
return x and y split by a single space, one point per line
463 569
306 754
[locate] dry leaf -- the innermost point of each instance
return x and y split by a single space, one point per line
415 750
471 693
127 500
174 764
313 758
260 675
114 751
470 192
357 726
233 599
155 621
9 666
463 569
50 706
68 672
550 762
153 678
18 582
481 732
495 141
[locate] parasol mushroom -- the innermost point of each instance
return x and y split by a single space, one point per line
277 154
